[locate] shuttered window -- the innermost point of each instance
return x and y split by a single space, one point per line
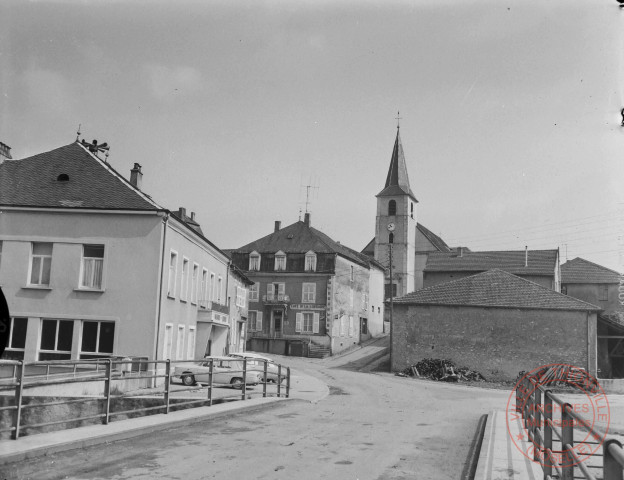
307 322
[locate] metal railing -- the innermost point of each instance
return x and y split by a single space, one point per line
26 375
538 406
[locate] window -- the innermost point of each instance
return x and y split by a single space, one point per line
254 261
391 238
308 294
184 279
98 339
180 343
212 287
40 264
173 272
310 262
190 350
412 209
255 321
392 208
194 280
219 290
253 292
387 290
351 331
276 291
56 339
203 289
307 322
280 261
352 276
168 341
241 293
603 292
92 266
351 297
363 326
364 301
16 343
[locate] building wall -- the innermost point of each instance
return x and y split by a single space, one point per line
434 278
591 292
238 313
496 342
129 295
376 309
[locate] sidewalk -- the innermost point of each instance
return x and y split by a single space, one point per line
304 388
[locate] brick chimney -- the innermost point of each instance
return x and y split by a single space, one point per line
306 219
136 176
278 225
193 216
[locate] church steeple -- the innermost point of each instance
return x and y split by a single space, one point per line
397 181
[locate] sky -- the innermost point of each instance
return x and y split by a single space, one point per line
510 111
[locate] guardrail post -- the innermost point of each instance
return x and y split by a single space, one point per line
279 381
264 384
287 382
612 469
567 438
19 390
547 434
537 419
107 390
244 389
210 374
167 384
47 372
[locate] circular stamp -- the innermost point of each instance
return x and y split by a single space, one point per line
540 421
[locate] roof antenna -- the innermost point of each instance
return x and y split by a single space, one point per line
299 213
398 119
311 189
78 132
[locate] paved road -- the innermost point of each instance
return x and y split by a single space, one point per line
371 426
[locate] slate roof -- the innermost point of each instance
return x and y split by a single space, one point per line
494 288
397 181
302 238
435 240
92 184
580 270
540 262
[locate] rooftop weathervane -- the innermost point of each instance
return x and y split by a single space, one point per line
95 148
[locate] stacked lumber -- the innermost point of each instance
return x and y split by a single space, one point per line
566 375
440 370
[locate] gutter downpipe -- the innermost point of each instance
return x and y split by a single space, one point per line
162 274
227 299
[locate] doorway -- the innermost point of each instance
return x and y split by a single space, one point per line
278 316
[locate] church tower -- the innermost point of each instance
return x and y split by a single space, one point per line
395 227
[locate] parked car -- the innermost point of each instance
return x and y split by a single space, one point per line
256 362
226 371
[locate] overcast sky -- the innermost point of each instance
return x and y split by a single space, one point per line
510 111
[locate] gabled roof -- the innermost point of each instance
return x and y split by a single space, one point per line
435 240
539 262
92 183
494 288
397 181
301 238
580 270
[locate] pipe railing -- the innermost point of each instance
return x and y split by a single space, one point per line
536 404
108 371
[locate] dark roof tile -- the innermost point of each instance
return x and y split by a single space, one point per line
580 270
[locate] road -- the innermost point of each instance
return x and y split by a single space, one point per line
372 425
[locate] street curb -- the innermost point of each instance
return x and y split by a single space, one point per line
125 430
470 468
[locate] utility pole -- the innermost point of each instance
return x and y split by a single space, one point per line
391 304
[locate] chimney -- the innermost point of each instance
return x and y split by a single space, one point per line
193 216
136 176
278 225
526 255
306 219
182 213
460 251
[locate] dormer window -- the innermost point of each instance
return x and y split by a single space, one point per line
310 261
63 177
280 261
391 208
254 261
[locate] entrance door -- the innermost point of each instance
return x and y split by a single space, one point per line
277 322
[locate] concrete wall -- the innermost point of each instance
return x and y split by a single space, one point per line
498 343
130 281
434 278
591 293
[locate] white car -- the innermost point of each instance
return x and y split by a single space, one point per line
256 362
225 371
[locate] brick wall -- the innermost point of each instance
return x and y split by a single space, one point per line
496 342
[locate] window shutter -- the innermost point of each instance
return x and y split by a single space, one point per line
315 324
259 321
269 288
281 289
299 322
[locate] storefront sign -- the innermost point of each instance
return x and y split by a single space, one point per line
306 306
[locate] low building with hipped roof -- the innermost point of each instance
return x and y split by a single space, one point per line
312 296
495 323
92 266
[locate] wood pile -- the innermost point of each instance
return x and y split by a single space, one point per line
566 375
440 370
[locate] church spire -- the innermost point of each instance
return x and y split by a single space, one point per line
397 181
